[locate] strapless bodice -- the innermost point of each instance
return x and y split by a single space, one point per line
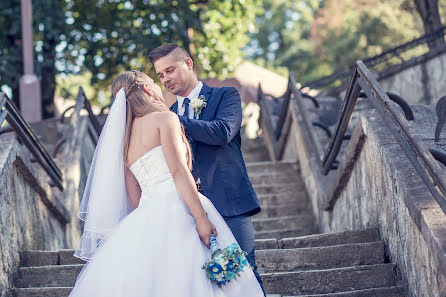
151 169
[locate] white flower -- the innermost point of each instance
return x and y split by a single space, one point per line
196 103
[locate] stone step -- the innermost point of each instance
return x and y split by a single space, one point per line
42 292
284 233
282 222
295 209
256 156
266 244
327 239
399 291
284 198
48 276
271 167
329 280
44 258
347 255
285 209
278 177
279 188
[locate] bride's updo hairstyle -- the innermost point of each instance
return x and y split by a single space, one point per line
139 103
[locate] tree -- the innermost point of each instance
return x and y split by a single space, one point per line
107 37
313 38
48 24
430 14
283 36
110 37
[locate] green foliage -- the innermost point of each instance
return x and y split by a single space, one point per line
107 37
313 38
114 36
364 32
48 25
225 24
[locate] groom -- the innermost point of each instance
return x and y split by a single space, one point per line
212 124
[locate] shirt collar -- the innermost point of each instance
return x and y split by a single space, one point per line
192 95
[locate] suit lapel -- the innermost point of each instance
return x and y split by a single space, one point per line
174 107
206 92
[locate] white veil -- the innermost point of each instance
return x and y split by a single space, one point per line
105 202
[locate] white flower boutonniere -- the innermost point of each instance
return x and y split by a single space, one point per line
198 104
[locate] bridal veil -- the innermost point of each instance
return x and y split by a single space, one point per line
105 202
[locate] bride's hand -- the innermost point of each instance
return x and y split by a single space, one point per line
205 228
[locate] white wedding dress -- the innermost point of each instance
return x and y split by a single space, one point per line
155 251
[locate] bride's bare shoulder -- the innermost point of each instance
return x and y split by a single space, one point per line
162 118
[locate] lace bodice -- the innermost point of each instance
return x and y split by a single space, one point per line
151 168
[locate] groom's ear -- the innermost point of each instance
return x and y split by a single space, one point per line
189 63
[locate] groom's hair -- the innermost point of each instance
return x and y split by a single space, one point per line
165 49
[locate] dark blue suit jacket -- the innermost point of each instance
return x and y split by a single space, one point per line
218 159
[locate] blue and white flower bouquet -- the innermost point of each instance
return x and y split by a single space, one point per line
225 264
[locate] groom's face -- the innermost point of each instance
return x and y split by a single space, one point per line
175 73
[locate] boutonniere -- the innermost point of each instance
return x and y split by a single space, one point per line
198 104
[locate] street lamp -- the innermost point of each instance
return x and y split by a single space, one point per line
30 93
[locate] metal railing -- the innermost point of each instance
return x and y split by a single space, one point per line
396 52
82 102
279 130
363 84
26 135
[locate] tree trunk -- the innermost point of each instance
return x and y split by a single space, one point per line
48 81
428 10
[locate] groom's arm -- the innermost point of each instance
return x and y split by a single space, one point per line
224 127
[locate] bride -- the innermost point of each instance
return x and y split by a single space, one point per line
147 228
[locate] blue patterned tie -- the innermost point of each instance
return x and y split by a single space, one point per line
186 107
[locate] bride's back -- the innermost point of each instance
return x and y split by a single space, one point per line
144 136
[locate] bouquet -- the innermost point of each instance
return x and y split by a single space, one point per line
225 264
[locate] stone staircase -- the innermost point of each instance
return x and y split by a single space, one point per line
292 259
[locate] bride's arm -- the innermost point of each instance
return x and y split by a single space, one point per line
173 149
132 188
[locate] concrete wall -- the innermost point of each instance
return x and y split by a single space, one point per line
376 185
423 83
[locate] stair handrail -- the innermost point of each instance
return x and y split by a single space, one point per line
343 73
277 134
422 158
82 102
11 114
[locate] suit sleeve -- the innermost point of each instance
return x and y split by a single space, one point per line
224 127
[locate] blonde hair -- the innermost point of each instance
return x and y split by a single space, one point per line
140 103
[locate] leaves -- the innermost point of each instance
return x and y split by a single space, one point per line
313 38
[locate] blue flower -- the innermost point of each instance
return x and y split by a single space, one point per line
230 275
243 261
230 265
216 268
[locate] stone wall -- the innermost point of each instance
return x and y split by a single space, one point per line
423 83
376 185
33 215
25 222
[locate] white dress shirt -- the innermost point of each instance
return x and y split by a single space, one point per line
192 95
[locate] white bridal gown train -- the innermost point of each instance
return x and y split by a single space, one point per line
155 251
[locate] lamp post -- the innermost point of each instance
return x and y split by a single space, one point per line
30 93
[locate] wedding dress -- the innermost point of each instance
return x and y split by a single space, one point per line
155 251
